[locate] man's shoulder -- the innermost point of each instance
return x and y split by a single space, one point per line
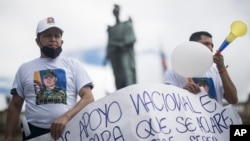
68 59
170 71
29 63
32 61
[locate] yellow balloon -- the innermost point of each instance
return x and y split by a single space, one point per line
238 29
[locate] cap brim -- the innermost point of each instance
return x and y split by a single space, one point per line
48 27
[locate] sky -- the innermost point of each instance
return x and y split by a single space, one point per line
157 23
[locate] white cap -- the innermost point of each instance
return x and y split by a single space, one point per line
47 23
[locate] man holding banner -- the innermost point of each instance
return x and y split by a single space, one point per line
216 79
48 110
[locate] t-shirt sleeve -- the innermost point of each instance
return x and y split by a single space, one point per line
17 85
82 77
172 78
169 78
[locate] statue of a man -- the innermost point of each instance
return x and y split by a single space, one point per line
120 50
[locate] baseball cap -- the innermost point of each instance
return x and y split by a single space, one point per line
47 23
49 73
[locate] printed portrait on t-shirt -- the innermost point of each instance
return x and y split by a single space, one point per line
208 85
50 86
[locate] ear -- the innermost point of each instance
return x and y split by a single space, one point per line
37 42
62 42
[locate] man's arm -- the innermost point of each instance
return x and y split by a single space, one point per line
229 88
13 116
57 127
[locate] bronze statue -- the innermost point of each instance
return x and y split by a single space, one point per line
120 50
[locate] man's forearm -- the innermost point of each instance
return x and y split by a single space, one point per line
12 121
229 88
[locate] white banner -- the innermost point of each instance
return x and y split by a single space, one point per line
151 112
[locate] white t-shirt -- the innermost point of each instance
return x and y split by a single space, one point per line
210 80
44 106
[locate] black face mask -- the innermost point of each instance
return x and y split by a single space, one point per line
50 52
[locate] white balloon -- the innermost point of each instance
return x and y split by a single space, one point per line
191 59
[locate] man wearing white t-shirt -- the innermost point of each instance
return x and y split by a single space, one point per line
216 80
50 110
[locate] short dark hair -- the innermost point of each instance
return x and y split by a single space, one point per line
196 36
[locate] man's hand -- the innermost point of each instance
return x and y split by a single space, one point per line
57 127
219 60
192 87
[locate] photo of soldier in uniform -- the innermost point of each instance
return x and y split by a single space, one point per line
49 92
